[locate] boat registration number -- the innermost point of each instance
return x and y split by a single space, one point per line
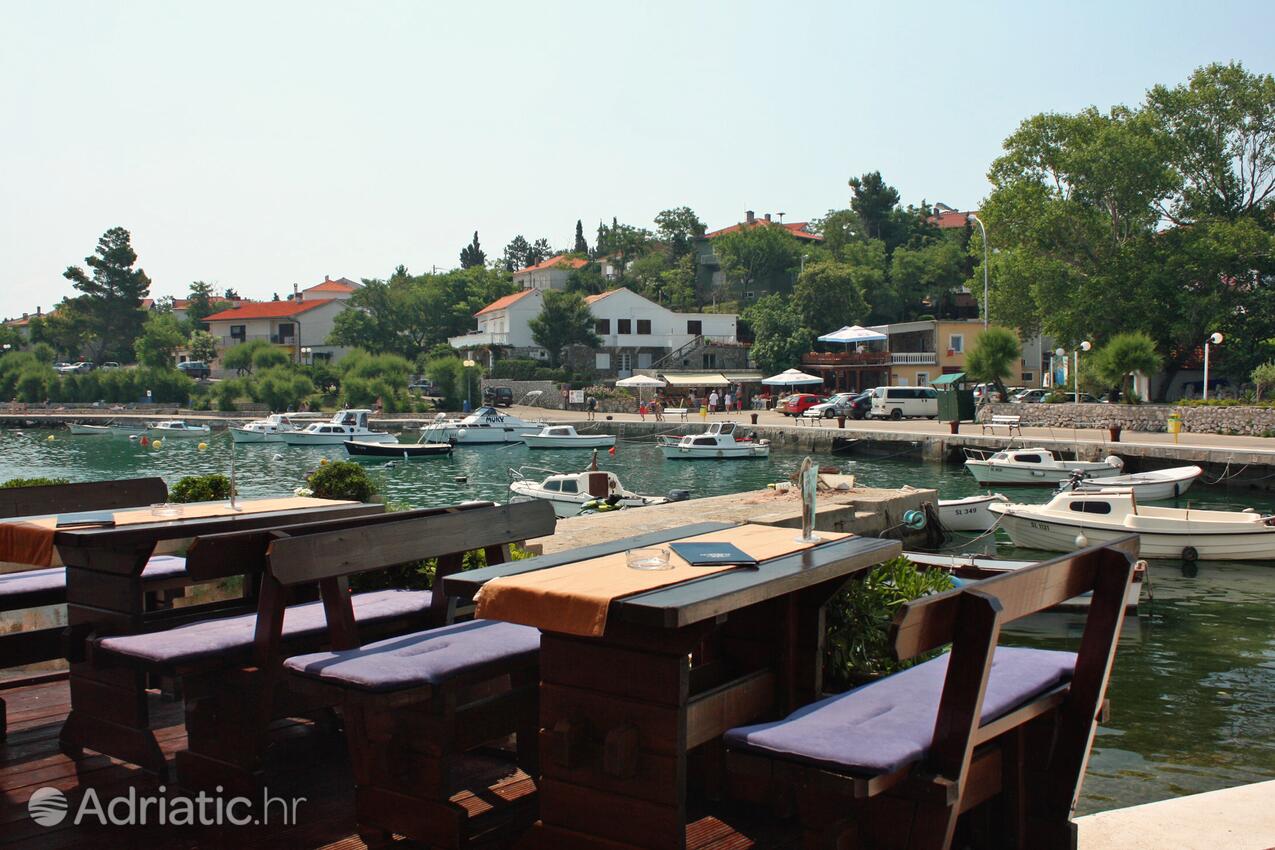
965 511
1040 526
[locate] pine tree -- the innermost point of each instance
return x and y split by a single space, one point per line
472 255
112 298
581 247
515 256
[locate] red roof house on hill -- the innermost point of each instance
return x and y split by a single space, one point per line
799 229
550 274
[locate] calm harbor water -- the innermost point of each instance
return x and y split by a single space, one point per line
1193 693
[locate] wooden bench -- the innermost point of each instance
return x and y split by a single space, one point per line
23 589
226 669
897 762
1010 423
676 411
416 704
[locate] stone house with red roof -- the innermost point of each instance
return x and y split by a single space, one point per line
710 269
299 325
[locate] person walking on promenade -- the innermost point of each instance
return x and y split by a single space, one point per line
712 402
591 405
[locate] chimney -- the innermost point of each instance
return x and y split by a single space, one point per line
38 312
749 218
767 217
296 293
327 279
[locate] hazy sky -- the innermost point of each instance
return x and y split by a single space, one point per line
255 145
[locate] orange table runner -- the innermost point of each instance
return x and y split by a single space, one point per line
31 541
574 598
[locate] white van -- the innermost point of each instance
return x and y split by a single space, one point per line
898 402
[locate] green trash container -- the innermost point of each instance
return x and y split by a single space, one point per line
956 405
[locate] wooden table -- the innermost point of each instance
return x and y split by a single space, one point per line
105 596
620 714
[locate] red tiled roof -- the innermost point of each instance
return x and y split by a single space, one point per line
589 299
949 219
570 262
267 310
333 286
796 228
502 303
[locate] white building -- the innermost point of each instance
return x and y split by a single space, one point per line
551 274
635 331
299 326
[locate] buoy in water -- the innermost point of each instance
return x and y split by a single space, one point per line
203 446
461 479
134 437
277 456
323 462
157 444
51 438
145 441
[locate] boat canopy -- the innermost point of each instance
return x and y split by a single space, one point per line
695 379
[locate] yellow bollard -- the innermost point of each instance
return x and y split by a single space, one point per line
1175 425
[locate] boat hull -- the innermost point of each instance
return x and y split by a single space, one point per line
89 430
737 452
970 514
172 433
300 438
1148 488
393 451
243 435
565 505
975 568
985 472
1033 531
590 441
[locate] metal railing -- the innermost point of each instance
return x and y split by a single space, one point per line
846 358
914 358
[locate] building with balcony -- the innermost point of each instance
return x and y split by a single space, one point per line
709 266
505 325
299 326
551 274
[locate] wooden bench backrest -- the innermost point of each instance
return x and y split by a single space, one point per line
215 556
971 619
88 496
403 539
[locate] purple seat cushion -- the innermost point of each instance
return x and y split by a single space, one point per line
19 584
888 724
424 658
228 636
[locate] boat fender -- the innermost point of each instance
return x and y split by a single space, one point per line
914 519
1190 555
1112 460
1081 541
461 479
678 495
591 504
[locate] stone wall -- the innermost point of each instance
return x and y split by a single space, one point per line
1248 421
550 392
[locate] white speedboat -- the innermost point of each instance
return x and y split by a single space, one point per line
1071 520
272 428
177 428
484 425
1034 466
344 425
1146 486
977 567
718 442
113 429
573 492
565 437
970 513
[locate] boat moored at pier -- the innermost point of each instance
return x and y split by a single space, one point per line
344 425
719 442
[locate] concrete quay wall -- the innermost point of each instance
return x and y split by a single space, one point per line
1211 419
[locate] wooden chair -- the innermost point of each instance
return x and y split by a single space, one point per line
897 762
416 706
23 589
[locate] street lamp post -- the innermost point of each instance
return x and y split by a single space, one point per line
1075 369
306 354
1214 339
941 208
469 383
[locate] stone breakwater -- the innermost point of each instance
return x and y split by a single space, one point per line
1245 421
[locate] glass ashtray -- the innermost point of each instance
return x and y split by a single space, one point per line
648 558
166 509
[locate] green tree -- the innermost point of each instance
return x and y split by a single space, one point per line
993 357
515 254
161 336
1123 355
927 276
564 320
539 251
66 328
203 346
280 387
779 336
678 227
270 357
758 257
201 303
1264 377
873 201
828 295
112 293
472 254
240 357
581 247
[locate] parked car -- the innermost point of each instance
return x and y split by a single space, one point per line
900 402
499 396
73 368
109 364
860 405
837 405
986 392
1033 396
422 388
196 369
798 403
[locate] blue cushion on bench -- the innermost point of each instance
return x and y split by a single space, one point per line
424 658
226 636
14 586
888 724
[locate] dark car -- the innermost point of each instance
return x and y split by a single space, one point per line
859 405
797 403
197 369
499 396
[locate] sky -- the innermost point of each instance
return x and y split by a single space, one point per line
257 145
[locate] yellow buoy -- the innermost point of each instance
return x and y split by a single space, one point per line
323 462
203 446
158 444
52 438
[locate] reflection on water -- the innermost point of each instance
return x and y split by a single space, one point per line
1192 695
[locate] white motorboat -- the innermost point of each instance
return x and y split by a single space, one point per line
565 437
112 429
970 513
177 428
1146 486
718 442
484 425
1072 520
573 492
977 567
272 428
344 425
1034 466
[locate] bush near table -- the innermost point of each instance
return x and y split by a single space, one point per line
344 479
200 488
33 482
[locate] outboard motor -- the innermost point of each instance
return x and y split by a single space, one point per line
1077 476
678 495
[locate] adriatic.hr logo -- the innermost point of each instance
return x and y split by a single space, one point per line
49 807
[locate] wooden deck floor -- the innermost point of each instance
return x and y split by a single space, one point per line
305 762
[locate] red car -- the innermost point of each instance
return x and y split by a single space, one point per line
797 403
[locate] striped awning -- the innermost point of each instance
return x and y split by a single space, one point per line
695 379
750 377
